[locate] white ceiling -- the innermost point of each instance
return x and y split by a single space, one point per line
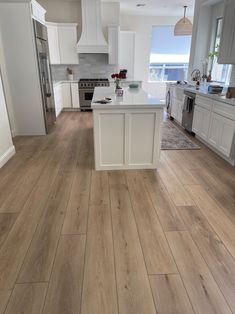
156 7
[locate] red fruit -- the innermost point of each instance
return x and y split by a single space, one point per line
113 76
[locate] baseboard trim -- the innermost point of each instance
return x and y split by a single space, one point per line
7 155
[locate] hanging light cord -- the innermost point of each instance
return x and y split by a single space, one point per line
185 8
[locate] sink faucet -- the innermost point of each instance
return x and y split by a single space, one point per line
196 75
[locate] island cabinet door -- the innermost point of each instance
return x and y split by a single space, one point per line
143 133
109 133
127 139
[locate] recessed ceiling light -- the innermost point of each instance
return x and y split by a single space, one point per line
141 5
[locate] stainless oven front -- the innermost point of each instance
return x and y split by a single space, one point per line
85 97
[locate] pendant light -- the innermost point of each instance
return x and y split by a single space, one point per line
184 26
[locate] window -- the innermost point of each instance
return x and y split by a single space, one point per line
220 72
169 55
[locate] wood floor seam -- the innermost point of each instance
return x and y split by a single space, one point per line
180 273
206 262
113 247
207 270
80 309
34 233
212 274
140 240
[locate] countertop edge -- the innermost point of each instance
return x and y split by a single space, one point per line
215 97
113 107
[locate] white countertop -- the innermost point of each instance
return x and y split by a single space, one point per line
203 91
132 99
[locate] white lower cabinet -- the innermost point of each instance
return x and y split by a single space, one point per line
177 103
127 138
177 109
75 95
215 127
197 120
201 122
221 133
58 99
66 96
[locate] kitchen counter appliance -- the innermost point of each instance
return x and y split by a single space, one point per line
86 90
188 110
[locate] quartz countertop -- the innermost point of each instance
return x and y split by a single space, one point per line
132 99
203 91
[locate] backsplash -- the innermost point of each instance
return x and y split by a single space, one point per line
90 66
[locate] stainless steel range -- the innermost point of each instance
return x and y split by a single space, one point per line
86 90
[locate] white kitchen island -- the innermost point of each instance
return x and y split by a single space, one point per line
127 131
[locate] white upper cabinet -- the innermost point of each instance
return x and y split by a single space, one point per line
52 32
67 34
113 39
227 44
62 38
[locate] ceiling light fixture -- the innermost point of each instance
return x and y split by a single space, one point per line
184 26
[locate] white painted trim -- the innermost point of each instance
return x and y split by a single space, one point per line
7 155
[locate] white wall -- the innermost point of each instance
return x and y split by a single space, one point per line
142 26
110 15
64 11
6 146
203 25
7 90
16 28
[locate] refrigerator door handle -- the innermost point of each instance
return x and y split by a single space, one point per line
48 80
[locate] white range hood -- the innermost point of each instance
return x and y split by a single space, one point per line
92 38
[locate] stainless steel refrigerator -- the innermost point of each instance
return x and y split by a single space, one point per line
42 47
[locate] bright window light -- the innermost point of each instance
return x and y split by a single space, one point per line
169 55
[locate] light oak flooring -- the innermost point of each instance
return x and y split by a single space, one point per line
73 240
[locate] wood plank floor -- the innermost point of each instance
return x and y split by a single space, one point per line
77 241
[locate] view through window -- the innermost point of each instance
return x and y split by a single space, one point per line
220 72
169 55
